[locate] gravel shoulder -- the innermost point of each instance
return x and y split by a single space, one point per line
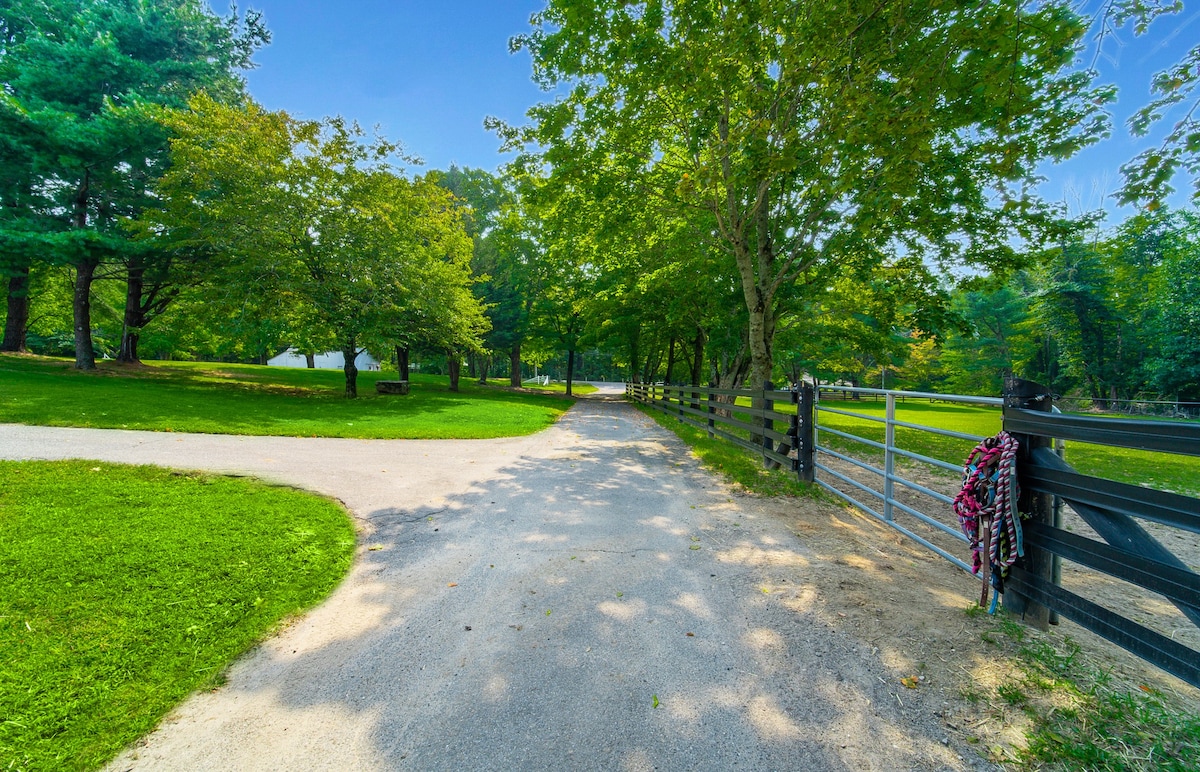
583 598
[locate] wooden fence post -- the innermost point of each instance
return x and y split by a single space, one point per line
1027 395
768 444
712 410
801 431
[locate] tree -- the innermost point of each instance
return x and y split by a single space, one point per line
864 323
1073 306
1175 370
1173 300
564 270
500 259
315 213
817 136
977 360
78 76
1176 91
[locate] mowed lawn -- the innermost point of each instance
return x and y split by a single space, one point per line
1163 471
257 400
127 588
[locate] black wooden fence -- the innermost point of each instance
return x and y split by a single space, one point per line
754 428
1112 509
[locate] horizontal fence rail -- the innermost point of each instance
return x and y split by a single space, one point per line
1112 510
930 508
838 438
752 427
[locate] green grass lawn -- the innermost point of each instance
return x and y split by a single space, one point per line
578 388
252 399
127 588
1164 471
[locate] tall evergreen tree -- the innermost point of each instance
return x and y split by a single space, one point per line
80 80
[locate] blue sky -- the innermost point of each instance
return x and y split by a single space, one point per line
428 73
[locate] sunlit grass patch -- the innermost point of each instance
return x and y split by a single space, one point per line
1077 716
578 388
1163 471
255 400
127 588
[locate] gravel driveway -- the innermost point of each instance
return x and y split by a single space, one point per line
584 598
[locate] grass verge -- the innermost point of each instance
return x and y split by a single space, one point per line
256 400
735 464
127 588
1077 716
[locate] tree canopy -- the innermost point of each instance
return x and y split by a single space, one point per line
817 137
314 214
81 146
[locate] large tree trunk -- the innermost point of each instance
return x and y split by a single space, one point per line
698 356
85 352
135 318
757 270
310 360
485 364
350 366
85 272
635 357
454 367
514 363
670 362
402 362
570 369
760 304
17 321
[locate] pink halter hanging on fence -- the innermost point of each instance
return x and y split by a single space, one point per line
987 511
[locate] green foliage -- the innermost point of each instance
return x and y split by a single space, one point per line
1080 306
1173 362
978 362
316 221
1120 309
256 400
81 78
819 139
864 322
127 588
502 255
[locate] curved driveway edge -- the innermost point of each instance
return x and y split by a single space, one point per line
583 598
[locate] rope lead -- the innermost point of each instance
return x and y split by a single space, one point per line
987 512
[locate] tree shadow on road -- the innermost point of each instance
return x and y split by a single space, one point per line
599 604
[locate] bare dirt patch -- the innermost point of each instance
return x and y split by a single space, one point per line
946 656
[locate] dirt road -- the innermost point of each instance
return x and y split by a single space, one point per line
584 598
